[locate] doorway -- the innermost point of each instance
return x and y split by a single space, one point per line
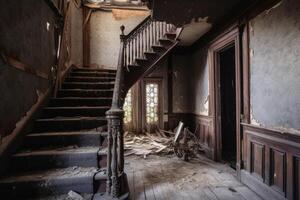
225 99
227 94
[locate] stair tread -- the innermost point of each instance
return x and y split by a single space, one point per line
71 118
166 39
51 174
88 83
83 98
58 151
94 72
86 90
93 69
92 77
77 107
67 133
64 197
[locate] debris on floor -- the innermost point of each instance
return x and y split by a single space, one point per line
74 196
143 145
183 143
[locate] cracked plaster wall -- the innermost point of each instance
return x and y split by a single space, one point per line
275 67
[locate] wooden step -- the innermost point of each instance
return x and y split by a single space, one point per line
158 48
55 158
48 182
89 79
166 42
97 111
171 36
142 61
62 139
88 85
85 93
93 70
151 55
92 74
68 124
81 101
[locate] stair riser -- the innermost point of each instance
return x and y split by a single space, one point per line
53 126
92 74
151 56
80 102
45 162
95 70
166 43
85 93
38 142
87 86
142 62
92 112
92 80
171 36
26 189
158 49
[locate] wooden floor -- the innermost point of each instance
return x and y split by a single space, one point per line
166 177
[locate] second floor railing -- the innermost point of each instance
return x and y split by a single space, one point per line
142 38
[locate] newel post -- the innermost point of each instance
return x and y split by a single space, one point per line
115 153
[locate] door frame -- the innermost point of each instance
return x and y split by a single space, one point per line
231 38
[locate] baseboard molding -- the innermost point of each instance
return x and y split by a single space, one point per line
260 188
14 140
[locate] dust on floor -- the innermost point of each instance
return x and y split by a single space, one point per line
167 177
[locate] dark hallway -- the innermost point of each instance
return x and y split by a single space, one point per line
228 105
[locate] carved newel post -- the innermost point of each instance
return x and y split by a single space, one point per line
115 154
115 151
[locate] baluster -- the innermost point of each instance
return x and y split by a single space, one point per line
136 46
162 29
143 44
125 55
139 44
148 37
152 32
132 50
129 41
157 31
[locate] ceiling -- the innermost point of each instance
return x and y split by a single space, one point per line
196 16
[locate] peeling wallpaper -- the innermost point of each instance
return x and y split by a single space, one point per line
105 36
275 67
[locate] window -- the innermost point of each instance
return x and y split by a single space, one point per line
152 103
128 108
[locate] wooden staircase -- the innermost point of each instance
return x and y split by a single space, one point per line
77 142
67 148
140 53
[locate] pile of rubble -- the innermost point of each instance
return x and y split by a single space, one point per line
143 145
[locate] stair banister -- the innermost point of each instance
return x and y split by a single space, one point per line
133 47
115 154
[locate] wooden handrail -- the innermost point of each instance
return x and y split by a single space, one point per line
137 27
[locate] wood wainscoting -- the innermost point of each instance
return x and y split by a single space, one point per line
175 118
271 162
204 131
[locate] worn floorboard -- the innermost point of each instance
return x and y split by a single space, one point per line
169 178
